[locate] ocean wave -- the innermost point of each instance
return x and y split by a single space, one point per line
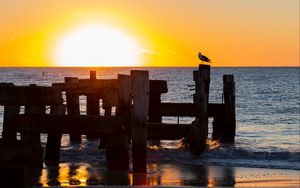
229 156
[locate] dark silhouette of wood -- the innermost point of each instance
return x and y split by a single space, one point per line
92 104
117 143
33 110
8 133
68 124
199 132
164 131
34 138
229 102
140 99
73 105
24 95
138 117
186 109
10 111
54 138
156 88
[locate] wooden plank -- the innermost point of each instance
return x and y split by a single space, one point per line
176 109
214 109
90 86
54 139
68 124
9 112
163 131
197 142
186 109
25 95
34 138
117 143
73 107
229 102
154 111
93 75
124 92
140 99
158 86
8 134
93 103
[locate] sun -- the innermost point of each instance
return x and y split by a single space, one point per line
96 45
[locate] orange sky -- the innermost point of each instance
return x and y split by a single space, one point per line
169 32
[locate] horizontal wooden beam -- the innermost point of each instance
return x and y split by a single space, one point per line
163 131
68 124
215 109
99 125
158 86
87 86
29 95
90 86
187 109
177 109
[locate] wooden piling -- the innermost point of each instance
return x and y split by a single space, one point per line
92 100
154 103
117 143
8 133
93 75
92 103
54 138
103 140
198 136
140 100
34 138
73 107
229 102
218 126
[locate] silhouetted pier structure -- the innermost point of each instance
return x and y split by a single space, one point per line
138 108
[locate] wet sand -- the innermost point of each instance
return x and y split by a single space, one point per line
162 175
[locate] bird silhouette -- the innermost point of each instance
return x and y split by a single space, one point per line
203 58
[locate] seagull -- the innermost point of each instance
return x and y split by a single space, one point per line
203 58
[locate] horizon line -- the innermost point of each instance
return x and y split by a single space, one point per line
149 66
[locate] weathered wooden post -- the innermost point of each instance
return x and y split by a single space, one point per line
103 140
93 75
198 135
92 103
229 102
156 88
92 100
54 138
140 100
218 126
34 138
8 133
117 143
73 107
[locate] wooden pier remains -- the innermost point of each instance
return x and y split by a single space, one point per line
133 113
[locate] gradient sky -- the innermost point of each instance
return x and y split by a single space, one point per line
170 32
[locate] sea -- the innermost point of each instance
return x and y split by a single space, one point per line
267 119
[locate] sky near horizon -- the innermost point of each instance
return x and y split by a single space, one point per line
165 33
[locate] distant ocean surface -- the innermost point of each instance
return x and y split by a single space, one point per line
267 111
